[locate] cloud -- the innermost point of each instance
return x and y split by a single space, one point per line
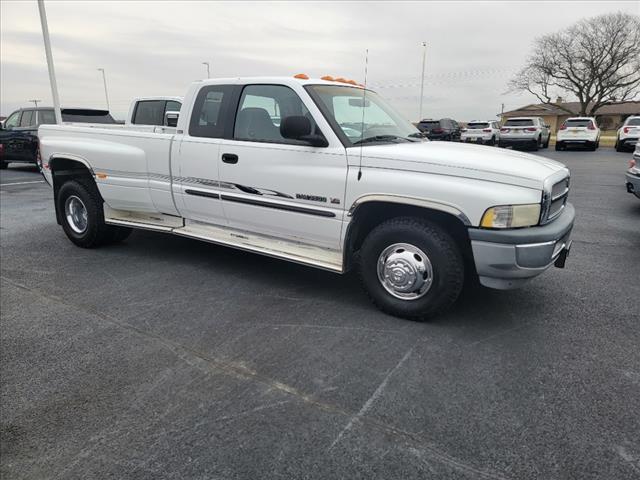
158 48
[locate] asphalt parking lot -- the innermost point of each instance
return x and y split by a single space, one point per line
165 357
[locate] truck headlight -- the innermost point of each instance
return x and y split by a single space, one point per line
511 216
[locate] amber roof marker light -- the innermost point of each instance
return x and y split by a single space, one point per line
301 76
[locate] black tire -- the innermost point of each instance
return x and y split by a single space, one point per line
3 165
97 233
538 143
558 146
492 142
441 250
591 147
619 147
546 144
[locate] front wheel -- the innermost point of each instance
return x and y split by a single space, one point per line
411 268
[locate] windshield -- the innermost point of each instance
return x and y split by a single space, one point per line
519 123
363 117
477 125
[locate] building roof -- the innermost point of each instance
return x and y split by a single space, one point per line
540 109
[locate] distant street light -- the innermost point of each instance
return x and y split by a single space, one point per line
424 59
104 80
35 102
208 72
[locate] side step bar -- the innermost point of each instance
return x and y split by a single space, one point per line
297 252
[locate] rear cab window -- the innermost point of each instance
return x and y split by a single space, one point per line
633 122
210 111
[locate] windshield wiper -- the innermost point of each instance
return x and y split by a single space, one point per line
380 138
417 135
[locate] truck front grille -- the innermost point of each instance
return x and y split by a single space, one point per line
554 198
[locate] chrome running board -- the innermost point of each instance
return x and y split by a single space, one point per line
292 251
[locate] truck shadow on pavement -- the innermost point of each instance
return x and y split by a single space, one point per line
334 294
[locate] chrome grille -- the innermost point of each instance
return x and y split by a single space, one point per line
554 196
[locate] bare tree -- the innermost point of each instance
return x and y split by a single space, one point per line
597 60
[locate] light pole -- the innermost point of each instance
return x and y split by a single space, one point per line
104 80
35 102
50 67
208 72
424 59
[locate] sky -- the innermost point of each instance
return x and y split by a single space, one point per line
157 48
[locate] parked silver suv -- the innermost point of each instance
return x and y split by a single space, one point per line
525 132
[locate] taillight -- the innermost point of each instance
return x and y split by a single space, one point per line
591 126
563 127
1 150
504 130
626 129
487 130
632 163
530 129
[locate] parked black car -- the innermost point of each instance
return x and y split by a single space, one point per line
19 133
443 129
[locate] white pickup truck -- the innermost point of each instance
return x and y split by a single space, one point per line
324 173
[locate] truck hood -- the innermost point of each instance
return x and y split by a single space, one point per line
458 159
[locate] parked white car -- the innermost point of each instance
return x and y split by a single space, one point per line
525 132
578 132
322 173
633 174
628 134
486 132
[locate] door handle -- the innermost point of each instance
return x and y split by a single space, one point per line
229 158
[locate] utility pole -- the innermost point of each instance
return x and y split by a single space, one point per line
424 59
35 102
104 80
52 73
208 72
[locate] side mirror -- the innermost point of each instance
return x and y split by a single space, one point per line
298 127
171 119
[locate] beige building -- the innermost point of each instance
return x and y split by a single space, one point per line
609 117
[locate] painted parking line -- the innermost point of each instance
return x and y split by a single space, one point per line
20 183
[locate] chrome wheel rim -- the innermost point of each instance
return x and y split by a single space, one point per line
76 214
405 271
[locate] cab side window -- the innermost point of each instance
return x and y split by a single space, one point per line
261 110
13 120
27 119
46 117
210 110
149 112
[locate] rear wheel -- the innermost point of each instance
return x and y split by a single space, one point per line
411 268
546 144
83 217
559 146
619 147
492 142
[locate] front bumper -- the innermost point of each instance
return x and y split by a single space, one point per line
507 259
633 184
